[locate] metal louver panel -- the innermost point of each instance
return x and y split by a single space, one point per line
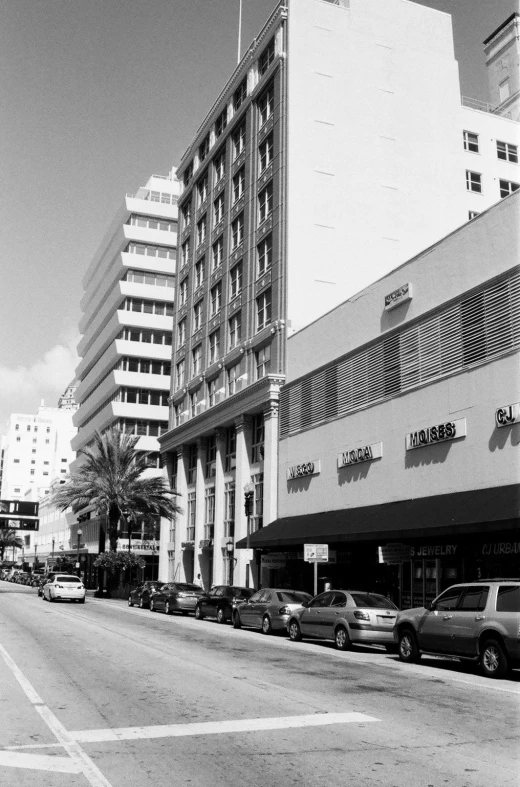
478 327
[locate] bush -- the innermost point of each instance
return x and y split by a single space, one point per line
115 562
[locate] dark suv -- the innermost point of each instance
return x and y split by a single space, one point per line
221 601
479 621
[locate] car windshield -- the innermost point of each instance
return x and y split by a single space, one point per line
155 585
372 600
68 579
292 596
242 592
187 587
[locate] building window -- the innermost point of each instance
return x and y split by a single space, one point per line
214 346
17 427
202 190
263 362
177 414
32 472
237 231
181 333
265 152
231 449
232 376
193 404
18 439
201 231
146 249
192 463
218 253
266 58
33 451
16 461
470 141
183 292
186 215
190 518
507 187
209 513
472 214
218 209
204 148
149 277
216 299
235 281
239 180
257 438
265 203
197 316
212 392
185 253
199 273
503 90
219 166
196 356
264 253
474 181
229 510
265 105
263 310
162 308
258 502
188 174
240 95
235 330
28 427
180 370
239 141
211 457
35 440
507 152
220 124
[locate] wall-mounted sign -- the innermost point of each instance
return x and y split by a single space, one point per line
450 430
399 296
300 471
509 414
394 553
274 560
316 553
363 454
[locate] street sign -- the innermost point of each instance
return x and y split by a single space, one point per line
316 553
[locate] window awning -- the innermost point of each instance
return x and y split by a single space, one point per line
457 513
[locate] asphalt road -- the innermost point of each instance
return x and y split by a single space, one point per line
107 696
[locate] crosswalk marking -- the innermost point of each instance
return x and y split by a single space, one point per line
39 762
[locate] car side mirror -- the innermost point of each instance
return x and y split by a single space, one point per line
305 604
429 605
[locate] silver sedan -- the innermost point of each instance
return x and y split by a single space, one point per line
269 609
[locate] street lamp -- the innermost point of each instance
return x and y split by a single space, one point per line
52 553
79 533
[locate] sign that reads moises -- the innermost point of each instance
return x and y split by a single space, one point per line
363 454
303 469
450 430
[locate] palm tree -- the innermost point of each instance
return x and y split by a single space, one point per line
9 538
111 481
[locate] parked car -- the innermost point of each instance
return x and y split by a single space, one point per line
142 594
176 597
64 587
221 601
479 621
22 577
43 581
348 617
269 609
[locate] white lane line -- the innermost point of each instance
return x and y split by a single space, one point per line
76 754
39 762
218 727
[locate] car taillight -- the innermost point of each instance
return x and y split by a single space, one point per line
361 615
284 611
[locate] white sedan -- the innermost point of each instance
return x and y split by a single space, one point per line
64 586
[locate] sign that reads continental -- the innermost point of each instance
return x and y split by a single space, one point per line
363 454
302 470
450 430
509 414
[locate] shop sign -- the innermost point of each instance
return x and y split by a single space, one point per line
450 430
502 548
274 560
399 296
394 553
316 553
305 469
136 545
434 550
364 454
509 414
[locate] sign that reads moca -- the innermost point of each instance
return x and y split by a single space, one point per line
363 454
439 433
303 469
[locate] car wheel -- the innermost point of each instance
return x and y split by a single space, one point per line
266 625
167 609
141 603
130 602
152 607
408 647
342 639
237 623
221 615
198 612
493 659
295 633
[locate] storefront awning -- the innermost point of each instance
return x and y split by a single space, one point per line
482 510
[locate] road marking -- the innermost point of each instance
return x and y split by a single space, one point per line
40 762
78 758
218 727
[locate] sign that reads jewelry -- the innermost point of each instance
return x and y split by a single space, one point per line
363 454
303 469
449 430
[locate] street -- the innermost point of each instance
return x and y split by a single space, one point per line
105 695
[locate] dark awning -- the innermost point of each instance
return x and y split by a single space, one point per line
458 513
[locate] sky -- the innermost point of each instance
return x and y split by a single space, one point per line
96 96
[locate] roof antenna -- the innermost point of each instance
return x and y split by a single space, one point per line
239 30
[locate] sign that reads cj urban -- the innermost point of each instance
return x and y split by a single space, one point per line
364 454
397 297
509 414
302 470
450 430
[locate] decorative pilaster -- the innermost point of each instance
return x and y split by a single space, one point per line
270 463
219 560
200 508
243 570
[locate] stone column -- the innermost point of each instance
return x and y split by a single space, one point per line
169 459
244 569
270 463
200 510
182 517
219 560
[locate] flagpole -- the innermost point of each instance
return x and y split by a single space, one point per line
239 30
